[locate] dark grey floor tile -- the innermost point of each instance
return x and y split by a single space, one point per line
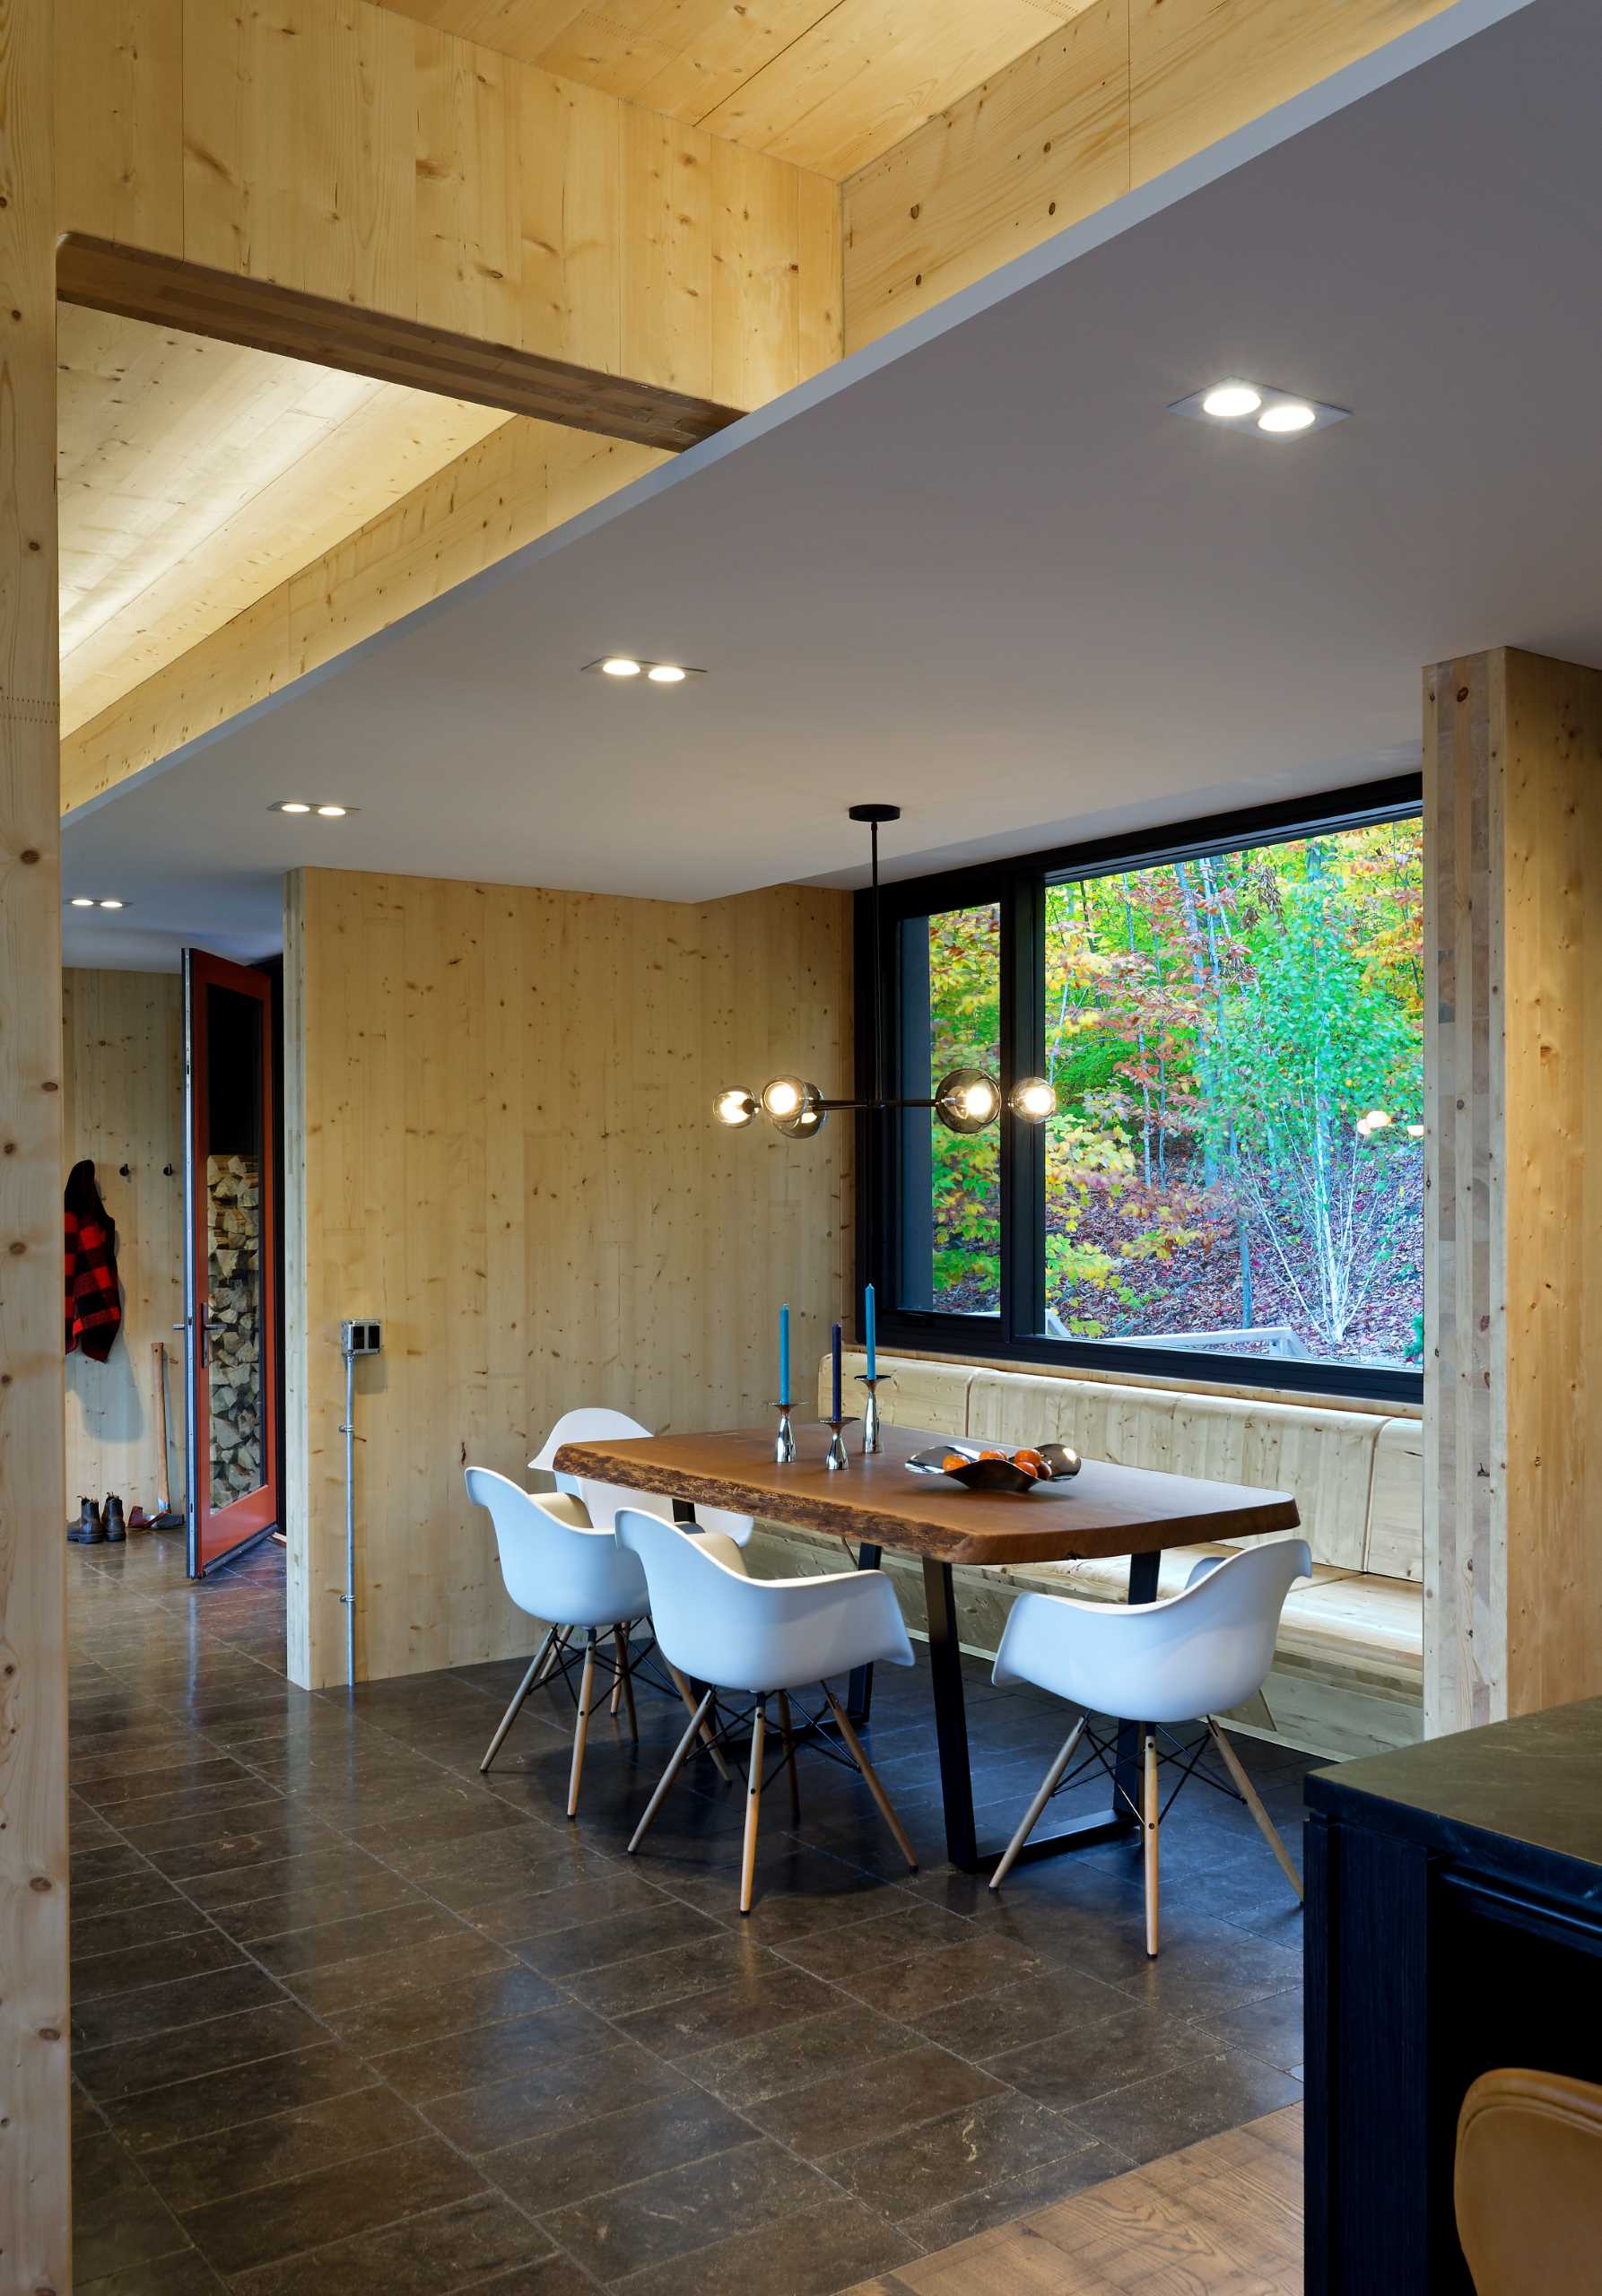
414 2014
878 2101
798 1891
330 2203
652 1981
838 2044
237 2161
760 2000
374 1891
109 1780
187 2275
1077 2164
836 2244
343 1988
1210 1968
205 1847
1071 2067
1198 2097
395 1929
161 1961
152 2062
135 1816
445 1812
138 1884
119 2219
681 2209
1057 1999
557 2093
520 1918
188 2110
159 2008
499 2052
941 2160
247 1882
620 1937
928 1981
126 1930
894 1936
569 2165
452 2248
1272 2029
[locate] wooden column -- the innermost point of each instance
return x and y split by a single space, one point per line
33 1996
1513 1413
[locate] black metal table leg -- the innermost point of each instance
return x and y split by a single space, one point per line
859 1695
951 1715
951 1731
1131 1736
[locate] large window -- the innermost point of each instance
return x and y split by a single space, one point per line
1233 1024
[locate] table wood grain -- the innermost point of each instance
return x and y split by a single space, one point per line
1104 1509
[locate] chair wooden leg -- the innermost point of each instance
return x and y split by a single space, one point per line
681 1755
624 1683
587 1685
870 1777
1150 1816
709 1736
1248 1795
527 1684
754 1801
789 1753
1032 1816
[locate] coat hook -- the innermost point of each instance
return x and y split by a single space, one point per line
124 1171
166 1172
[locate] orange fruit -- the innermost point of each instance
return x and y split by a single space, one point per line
1032 1464
992 1455
951 1462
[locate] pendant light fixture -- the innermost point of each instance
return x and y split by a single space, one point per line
965 1100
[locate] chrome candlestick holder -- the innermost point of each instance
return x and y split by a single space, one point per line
784 1446
870 1414
835 1457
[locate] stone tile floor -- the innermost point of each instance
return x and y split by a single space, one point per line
348 2017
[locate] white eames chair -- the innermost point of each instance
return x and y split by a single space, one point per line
764 1638
1191 1657
557 1566
594 1424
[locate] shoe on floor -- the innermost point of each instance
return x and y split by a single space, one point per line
87 1530
115 1528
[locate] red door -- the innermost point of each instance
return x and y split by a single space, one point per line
229 1257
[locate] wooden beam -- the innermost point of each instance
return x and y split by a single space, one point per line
510 488
1513 1287
167 292
1120 94
331 152
34 2194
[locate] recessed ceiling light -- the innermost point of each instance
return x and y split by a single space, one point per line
113 904
620 666
666 673
1236 403
328 812
332 813
81 900
636 666
1227 400
290 806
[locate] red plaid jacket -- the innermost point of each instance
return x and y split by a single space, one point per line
94 1307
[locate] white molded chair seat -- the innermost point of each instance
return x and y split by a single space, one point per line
765 1638
1188 1657
559 1567
596 1423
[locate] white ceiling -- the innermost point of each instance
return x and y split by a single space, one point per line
981 571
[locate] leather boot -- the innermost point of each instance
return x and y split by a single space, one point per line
87 1531
115 1528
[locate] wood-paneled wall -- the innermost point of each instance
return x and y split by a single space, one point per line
123 1103
336 147
1109 100
1513 1055
34 2006
499 1140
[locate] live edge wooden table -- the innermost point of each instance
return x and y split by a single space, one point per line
877 1503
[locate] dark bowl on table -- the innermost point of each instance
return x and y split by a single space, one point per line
979 1473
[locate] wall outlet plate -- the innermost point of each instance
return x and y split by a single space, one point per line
364 1338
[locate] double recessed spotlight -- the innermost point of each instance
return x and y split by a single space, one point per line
630 665
303 806
93 900
1259 407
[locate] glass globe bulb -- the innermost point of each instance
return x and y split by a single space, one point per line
783 1096
734 1107
967 1099
1033 1099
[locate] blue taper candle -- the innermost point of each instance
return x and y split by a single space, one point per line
784 1355
869 1331
836 1413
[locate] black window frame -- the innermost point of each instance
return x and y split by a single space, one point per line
1018 886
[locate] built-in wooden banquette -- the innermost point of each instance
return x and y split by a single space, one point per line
1348 1676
